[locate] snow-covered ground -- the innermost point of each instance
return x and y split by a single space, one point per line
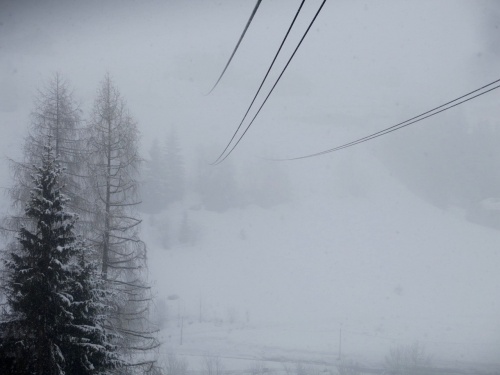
353 250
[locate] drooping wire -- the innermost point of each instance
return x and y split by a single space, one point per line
262 83
237 44
444 107
277 80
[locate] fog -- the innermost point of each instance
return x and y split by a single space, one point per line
394 241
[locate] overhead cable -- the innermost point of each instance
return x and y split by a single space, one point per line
444 107
237 44
277 80
262 83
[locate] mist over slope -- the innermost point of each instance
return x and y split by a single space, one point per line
354 249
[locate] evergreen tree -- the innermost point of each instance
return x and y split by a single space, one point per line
55 122
94 352
154 189
174 169
265 184
187 232
163 175
217 186
54 322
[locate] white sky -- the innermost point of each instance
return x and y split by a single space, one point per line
362 63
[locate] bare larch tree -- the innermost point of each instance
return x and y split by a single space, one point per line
112 165
55 123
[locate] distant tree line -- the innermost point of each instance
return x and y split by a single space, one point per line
164 180
452 163
217 188
170 182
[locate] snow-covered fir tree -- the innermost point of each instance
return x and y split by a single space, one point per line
56 305
154 187
91 309
55 121
174 168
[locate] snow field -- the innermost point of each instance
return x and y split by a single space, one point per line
374 260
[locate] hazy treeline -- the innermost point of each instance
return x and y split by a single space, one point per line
172 176
452 162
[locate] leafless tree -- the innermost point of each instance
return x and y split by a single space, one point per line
55 122
112 166
175 365
348 367
408 360
213 365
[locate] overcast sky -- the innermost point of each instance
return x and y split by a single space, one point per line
364 63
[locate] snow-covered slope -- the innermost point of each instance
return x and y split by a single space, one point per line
353 250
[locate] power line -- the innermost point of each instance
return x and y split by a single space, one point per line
403 124
238 44
279 77
262 83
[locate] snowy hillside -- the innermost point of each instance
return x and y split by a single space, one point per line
353 249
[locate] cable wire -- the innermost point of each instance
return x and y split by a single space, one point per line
262 83
237 44
403 124
279 77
